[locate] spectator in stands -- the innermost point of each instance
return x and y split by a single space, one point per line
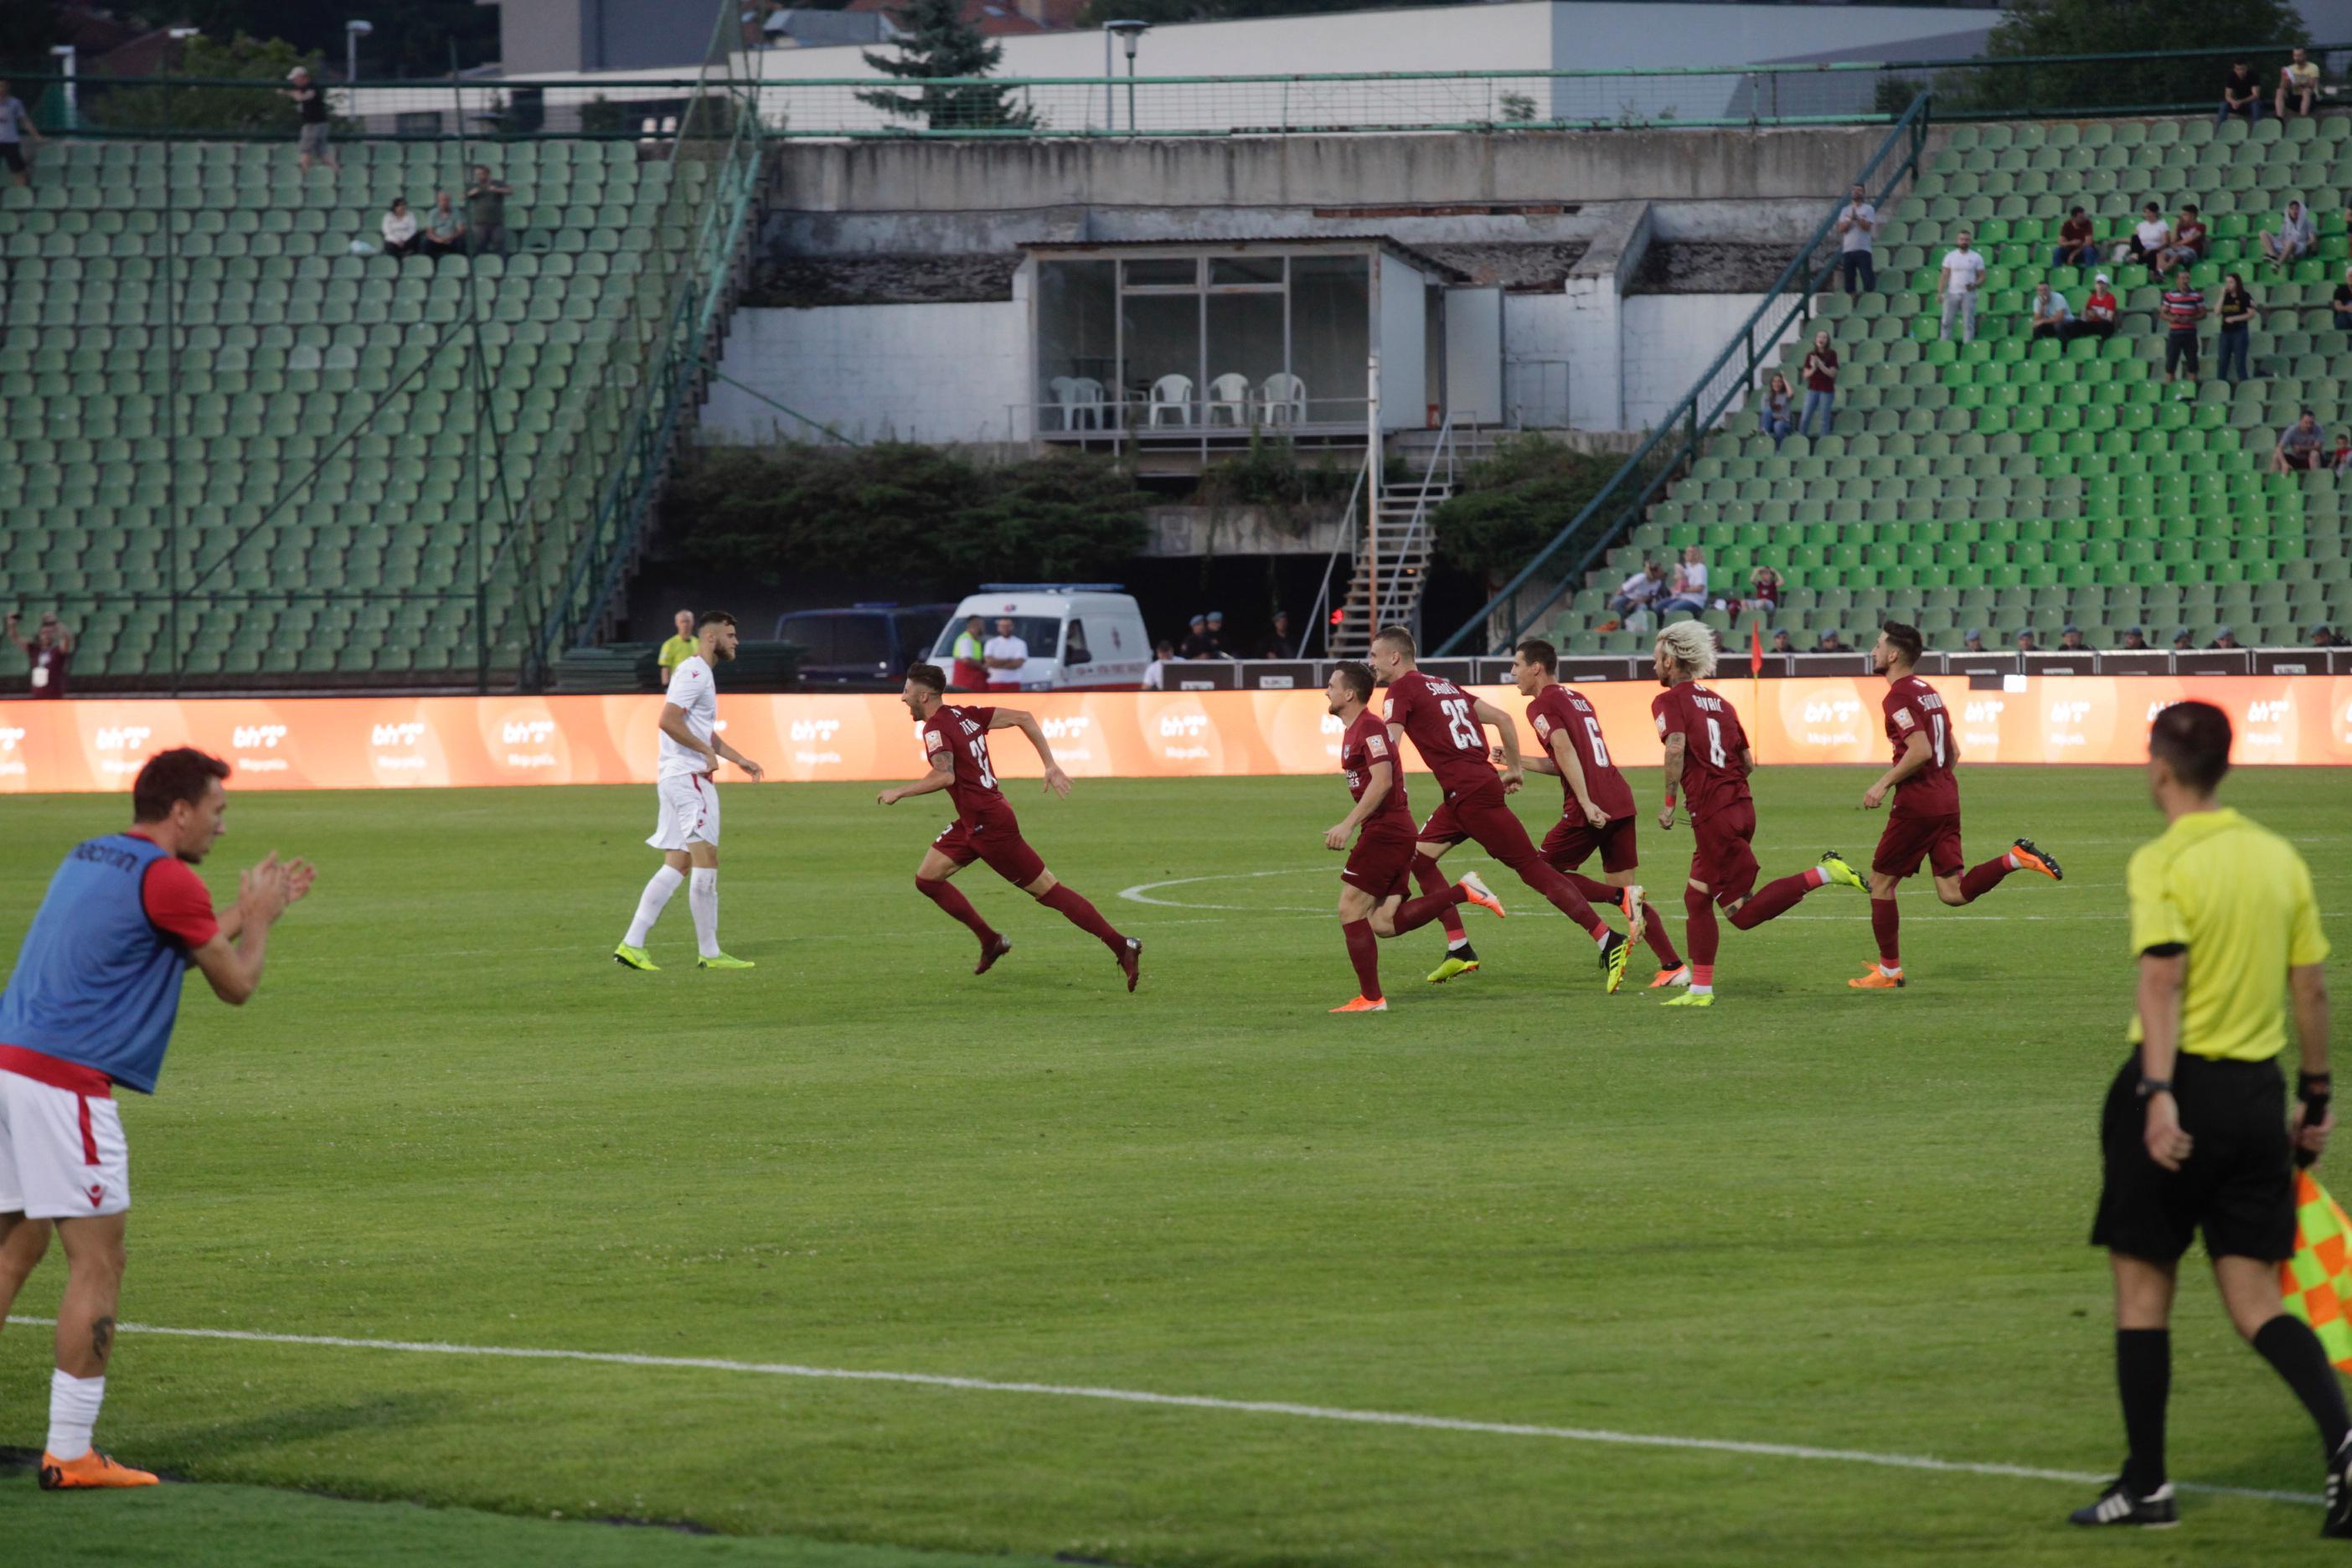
1279 643
443 234
1832 643
310 104
2188 246
2147 240
2026 643
1765 587
1196 639
2241 93
2052 316
2298 84
486 211
968 670
1216 631
2299 445
2071 640
1781 643
2184 307
2292 239
2323 638
2183 641
1155 674
1006 656
2076 245
1690 584
1856 224
679 649
2225 637
2341 458
1820 372
399 229
2340 302
1973 642
50 648
2135 640
2100 310
1956 284
1776 411
2238 311
1636 594
17 123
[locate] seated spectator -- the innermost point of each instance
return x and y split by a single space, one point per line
1640 591
2184 307
2341 458
2241 93
1819 370
1196 639
486 211
1780 643
2026 643
2298 84
2051 315
399 229
2188 246
2147 239
2299 445
2321 636
2225 637
2076 246
1217 635
2100 310
1690 586
2340 302
2292 238
1973 642
1832 643
2238 311
1279 643
2071 640
1779 410
1765 587
2183 642
1957 284
2135 640
443 234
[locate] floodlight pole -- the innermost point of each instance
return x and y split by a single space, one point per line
64 55
1128 32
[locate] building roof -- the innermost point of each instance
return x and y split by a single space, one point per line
1418 259
997 19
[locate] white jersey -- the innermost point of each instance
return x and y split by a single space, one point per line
692 690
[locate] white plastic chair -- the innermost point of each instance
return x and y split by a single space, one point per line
1088 404
1282 399
1172 394
1230 394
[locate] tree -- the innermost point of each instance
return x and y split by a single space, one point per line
235 108
937 44
2266 29
1513 502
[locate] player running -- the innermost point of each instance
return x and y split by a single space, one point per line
956 741
1708 755
1371 889
90 1008
1444 723
1925 824
686 831
1596 807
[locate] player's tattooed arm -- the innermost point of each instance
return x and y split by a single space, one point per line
1057 781
1677 743
942 775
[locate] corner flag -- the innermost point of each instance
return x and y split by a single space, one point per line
1755 649
2315 1284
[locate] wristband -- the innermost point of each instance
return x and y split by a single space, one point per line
2150 1087
1670 797
2307 1084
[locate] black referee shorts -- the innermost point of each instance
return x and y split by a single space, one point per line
2238 1183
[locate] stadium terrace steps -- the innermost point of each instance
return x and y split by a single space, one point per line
2010 484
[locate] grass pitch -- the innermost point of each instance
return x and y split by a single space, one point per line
1806 1217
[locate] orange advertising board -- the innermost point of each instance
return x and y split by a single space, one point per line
359 743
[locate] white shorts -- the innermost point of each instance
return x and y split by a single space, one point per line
61 1154
690 811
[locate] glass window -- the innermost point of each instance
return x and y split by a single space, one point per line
1246 350
1244 269
1073 644
1164 352
1180 272
1331 334
1077 326
1039 634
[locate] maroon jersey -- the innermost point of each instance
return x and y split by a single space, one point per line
1913 707
1365 744
1713 771
1563 710
957 737
1441 720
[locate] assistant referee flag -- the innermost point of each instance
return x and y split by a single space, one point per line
2315 1284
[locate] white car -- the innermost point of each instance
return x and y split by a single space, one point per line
1079 637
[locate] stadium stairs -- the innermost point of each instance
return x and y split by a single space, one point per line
2007 484
286 341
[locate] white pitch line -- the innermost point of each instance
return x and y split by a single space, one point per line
1201 1402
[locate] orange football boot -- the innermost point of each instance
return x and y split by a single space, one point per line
93 1470
1877 979
1365 1005
2034 858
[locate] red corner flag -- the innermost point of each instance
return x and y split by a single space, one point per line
1754 650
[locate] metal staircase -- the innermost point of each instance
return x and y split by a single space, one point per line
1392 566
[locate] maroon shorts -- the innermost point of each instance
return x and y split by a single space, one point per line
1485 817
998 843
1724 858
1572 841
1911 840
1381 865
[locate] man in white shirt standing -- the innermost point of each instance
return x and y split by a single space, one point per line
1856 224
1006 657
1963 275
686 832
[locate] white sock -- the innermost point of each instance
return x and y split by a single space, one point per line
1702 990
1890 971
702 897
73 1413
2014 863
1455 945
650 904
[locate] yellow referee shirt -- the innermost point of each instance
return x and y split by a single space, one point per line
2238 897
677 651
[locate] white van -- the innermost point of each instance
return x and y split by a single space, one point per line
1081 636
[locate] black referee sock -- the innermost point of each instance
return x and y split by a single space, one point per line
2295 1353
2144 1378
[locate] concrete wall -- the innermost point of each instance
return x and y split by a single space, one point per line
1669 340
918 372
1402 312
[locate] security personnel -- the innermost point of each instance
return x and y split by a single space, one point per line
2225 927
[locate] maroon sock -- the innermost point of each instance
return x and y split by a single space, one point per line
1432 882
950 898
1072 905
1886 921
1564 897
1654 932
1701 929
1594 892
1776 898
1364 953
1415 914
1981 880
